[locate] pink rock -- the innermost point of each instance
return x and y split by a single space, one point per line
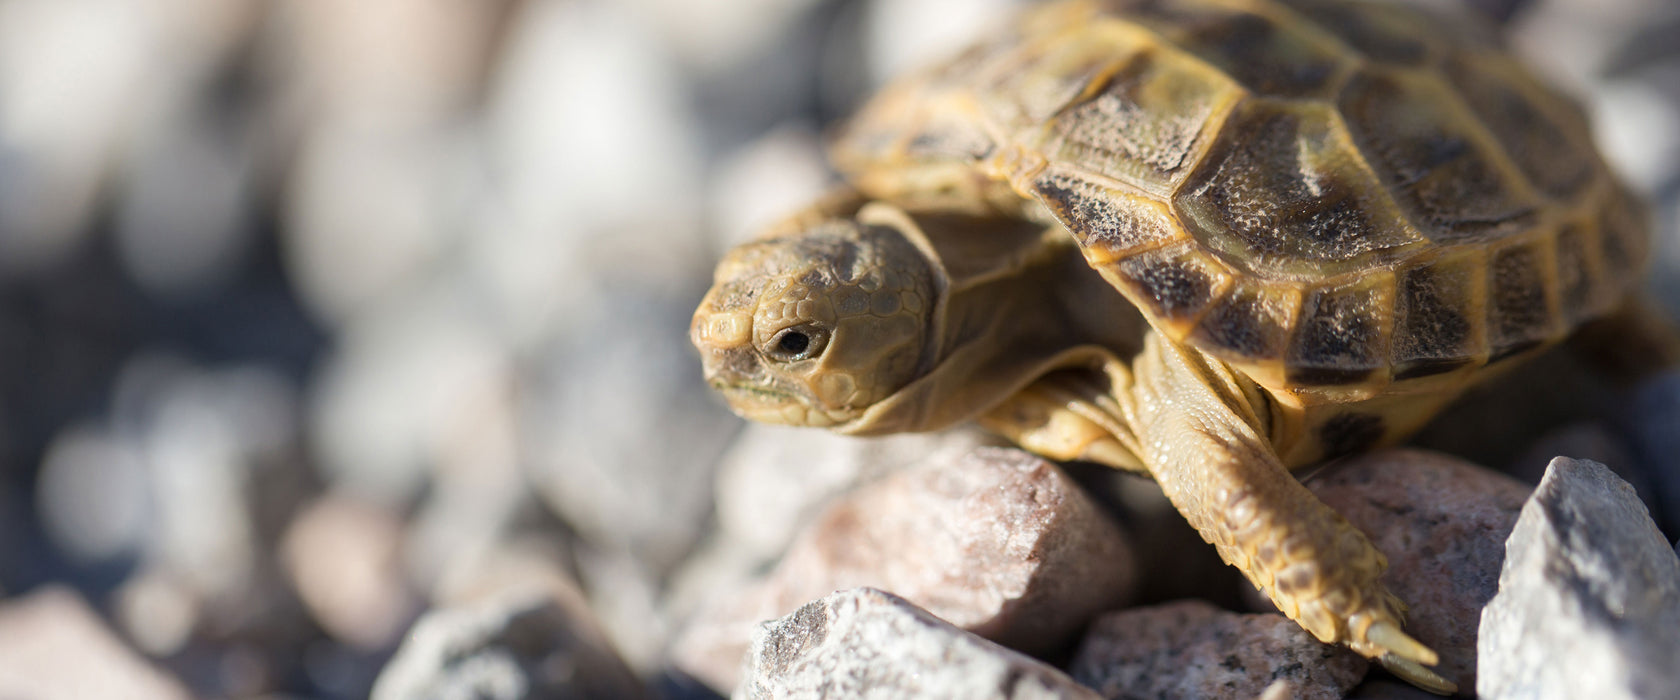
1191 649
53 646
1442 522
996 542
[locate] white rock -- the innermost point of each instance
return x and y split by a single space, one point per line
867 643
777 174
902 35
1589 599
399 390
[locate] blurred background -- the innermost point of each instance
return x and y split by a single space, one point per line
317 314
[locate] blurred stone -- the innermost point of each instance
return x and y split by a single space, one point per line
1638 130
1651 418
199 449
342 556
1190 649
534 561
621 434
867 642
904 35
1442 522
622 141
1589 599
93 495
997 542
388 61
54 647
720 33
478 491
369 213
401 387
625 594
517 646
157 612
185 219
75 77
780 173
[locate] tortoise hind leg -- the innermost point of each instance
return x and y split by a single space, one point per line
1200 432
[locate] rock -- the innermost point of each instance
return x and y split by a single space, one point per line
774 479
1589 599
1442 522
997 542
54 647
1190 649
343 557
867 641
515 646
620 434
184 216
904 35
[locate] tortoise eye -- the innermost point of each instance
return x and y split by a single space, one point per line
798 343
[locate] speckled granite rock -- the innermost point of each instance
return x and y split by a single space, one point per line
1442 522
865 641
1589 599
515 646
1191 649
996 541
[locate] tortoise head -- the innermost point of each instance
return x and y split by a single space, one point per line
814 327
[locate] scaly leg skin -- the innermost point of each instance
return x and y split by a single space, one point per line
1191 424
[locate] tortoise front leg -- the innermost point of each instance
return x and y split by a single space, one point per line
1198 429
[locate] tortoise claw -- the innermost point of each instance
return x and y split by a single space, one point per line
1414 673
1400 645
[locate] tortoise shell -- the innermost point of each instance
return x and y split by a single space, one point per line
1327 195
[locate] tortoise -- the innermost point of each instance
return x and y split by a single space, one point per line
1325 220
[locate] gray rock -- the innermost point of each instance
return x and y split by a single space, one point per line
1442 522
865 642
1589 599
997 542
1190 649
516 646
54 647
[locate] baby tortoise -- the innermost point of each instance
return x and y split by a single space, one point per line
1325 220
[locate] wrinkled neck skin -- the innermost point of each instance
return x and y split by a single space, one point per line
1019 302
